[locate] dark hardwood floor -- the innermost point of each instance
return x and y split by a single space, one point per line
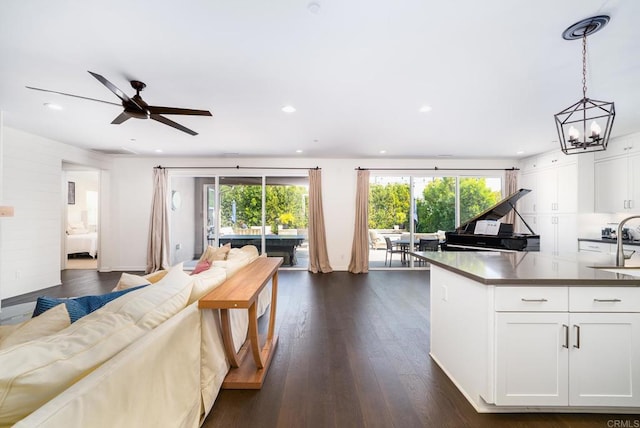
352 352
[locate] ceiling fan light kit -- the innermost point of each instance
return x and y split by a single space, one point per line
136 107
585 126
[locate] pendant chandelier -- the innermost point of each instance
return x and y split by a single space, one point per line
586 125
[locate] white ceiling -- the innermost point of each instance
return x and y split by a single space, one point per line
494 72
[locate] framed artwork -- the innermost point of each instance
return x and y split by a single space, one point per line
71 193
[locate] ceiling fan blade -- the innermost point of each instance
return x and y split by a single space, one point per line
171 123
72 95
113 88
174 110
121 118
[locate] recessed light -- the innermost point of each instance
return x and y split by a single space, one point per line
53 106
382 152
520 152
314 7
425 109
298 151
288 109
158 150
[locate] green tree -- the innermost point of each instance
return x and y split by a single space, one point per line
388 205
286 206
475 197
248 200
281 203
436 211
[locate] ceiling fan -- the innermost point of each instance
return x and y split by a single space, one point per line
136 107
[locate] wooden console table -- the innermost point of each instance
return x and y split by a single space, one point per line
241 292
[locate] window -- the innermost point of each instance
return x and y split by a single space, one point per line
269 212
439 204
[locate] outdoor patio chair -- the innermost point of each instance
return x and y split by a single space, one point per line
391 249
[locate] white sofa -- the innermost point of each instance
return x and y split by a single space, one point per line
150 358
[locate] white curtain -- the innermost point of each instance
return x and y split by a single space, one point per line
318 254
360 248
158 245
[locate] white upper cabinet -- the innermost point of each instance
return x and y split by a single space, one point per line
528 204
556 183
617 178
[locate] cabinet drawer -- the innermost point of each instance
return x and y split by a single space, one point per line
532 299
598 247
604 299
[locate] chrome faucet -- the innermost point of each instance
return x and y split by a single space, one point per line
619 250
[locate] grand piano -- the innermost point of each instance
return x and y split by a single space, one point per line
466 238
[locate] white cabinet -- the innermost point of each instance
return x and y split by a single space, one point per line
528 203
558 233
634 183
554 184
585 355
557 189
604 362
594 247
532 362
561 187
630 251
617 180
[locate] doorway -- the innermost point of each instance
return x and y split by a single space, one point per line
81 219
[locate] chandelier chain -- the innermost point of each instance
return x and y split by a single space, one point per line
584 65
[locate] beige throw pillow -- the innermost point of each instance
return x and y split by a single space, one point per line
213 254
128 280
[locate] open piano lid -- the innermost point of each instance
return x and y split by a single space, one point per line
499 210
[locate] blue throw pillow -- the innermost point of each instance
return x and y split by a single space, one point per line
79 306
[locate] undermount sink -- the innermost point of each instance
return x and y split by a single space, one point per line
631 270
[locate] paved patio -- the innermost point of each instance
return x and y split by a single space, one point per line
376 260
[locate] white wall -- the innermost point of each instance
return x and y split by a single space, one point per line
132 185
32 182
182 225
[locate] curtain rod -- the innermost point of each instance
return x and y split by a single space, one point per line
435 168
233 167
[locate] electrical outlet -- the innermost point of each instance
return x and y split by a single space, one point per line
445 293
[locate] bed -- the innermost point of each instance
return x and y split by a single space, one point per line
82 243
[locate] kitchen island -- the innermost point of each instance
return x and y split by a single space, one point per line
535 332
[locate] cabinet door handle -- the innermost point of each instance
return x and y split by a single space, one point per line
566 336
534 300
577 345
630 203
607 300
625 204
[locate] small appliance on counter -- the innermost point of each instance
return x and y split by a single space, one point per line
610 231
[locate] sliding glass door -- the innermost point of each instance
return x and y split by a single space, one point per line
287 219
268 212
240 212
405 209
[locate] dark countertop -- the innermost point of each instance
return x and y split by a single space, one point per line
531 268
611 241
